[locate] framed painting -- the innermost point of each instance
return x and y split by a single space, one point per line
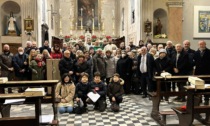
88 13
201 21
28 24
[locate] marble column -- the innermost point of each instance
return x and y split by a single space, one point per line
175 16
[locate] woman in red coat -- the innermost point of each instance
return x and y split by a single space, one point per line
56 53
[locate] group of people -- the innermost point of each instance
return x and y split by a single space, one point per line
135 65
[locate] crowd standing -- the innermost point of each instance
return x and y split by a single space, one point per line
105 69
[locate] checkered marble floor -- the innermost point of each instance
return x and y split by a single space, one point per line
131 114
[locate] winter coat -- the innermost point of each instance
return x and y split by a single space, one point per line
5 63
38 73
110 66
18 63
99 65
115 89
66 91
100 88
66 65
82 90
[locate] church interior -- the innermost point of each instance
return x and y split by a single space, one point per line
94 37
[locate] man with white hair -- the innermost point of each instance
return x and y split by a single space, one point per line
146 64
202 61
180 61
170 49
28 47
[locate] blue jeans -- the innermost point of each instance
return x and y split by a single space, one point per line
68 109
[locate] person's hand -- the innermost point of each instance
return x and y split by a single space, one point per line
176 70
25 63
94 91
71 72
77 99
63 100
77 74
11 69
113 99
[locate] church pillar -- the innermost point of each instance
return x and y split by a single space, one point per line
175 16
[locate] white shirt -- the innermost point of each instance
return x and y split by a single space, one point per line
143 64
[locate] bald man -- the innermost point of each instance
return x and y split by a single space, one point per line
191 52
66 64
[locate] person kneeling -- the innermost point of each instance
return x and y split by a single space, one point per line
65 91
115 92
82 89
97 86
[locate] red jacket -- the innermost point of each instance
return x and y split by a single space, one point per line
56 55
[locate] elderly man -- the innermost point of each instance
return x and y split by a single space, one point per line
66 64
170 49
146 64
180 61
191 52
28 47
202 61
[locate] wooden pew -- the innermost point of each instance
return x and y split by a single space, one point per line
193 109
41 83
22 121
156 114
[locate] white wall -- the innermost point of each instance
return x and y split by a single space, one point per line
188 12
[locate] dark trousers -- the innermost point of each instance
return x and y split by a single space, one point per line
146 82
118 99
101 104
4 109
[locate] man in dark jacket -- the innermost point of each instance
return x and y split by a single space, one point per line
45 46
124 69
146 64
202 61
66 64
20 65
191 53
80 67
180 62
99 64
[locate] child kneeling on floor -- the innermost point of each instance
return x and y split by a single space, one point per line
97 86
65 91
82 89
115 92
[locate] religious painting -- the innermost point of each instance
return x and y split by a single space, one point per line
132 11
88 14
123 18
28 24
202 22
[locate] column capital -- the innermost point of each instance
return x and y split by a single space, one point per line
175 3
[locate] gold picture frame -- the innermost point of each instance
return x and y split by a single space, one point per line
28 24
96 5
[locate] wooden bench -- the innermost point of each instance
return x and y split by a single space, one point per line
193 110
164 114
155 113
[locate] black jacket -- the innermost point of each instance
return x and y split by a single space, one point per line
202 63
164 64
82 90
100 88
182 63
66 65
115 89
150 65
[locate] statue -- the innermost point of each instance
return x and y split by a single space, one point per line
88 34
12 28
158 27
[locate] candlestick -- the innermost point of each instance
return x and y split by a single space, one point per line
81 11
76 27
113 13
93 12
60 11
99 26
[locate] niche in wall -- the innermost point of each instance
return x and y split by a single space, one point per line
9 8
160 22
